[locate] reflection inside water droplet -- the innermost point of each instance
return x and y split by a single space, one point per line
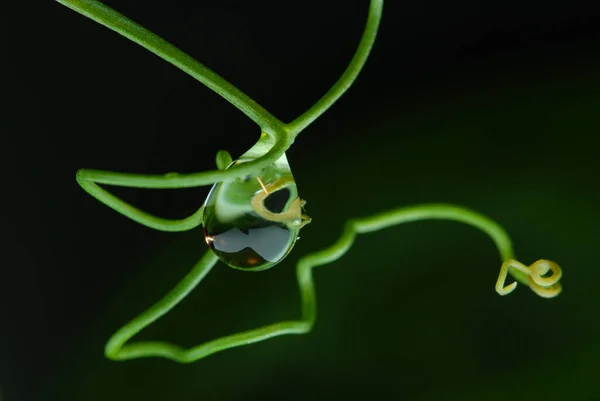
252 223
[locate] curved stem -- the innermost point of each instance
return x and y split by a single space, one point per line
350 74
89 180
392 218
140 216
117 349
110 18
174 180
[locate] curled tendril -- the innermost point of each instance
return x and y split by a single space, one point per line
118 347
276 137
544 285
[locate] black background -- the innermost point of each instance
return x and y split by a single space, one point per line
494 105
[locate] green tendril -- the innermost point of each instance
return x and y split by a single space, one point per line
111 19
117 349
280 135
276 137
349 76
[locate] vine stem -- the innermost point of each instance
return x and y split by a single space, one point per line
117 349
117 22
277 139
348 77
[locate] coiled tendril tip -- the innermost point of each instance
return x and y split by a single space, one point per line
542 277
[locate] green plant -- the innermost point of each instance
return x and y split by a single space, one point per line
241 206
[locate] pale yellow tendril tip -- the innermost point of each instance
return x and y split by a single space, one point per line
543 277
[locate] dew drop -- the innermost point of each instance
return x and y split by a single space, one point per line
253 223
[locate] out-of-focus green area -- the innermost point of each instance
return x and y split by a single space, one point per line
410 313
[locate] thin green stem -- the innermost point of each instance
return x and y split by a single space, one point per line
393 218
280 136
140 216
117 348
89 180
350 74
173 180
110 18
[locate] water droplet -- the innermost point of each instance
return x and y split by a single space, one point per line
253 223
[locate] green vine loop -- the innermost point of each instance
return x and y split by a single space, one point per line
117 349
279 136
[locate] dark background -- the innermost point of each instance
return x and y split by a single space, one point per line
494 105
